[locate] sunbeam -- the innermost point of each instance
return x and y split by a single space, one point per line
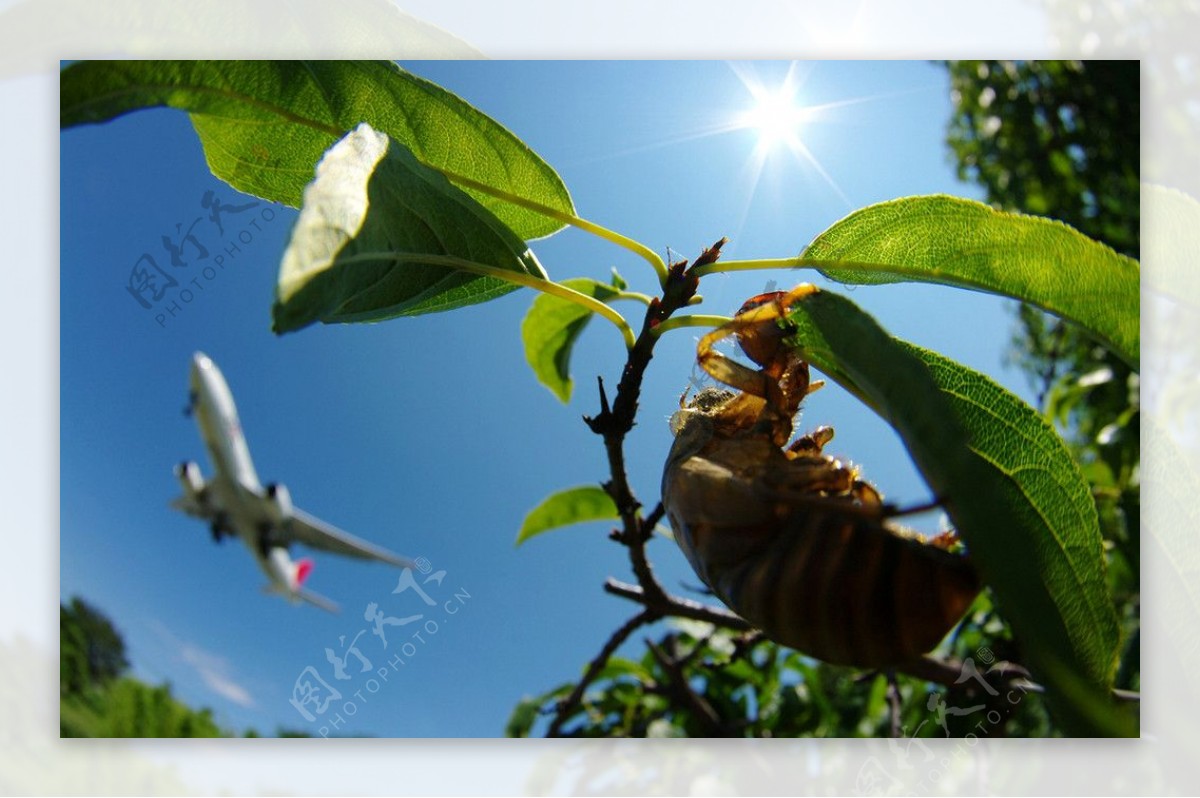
780 116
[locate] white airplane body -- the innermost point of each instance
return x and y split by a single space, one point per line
235 503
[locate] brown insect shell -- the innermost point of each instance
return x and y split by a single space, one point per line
723 470
742 508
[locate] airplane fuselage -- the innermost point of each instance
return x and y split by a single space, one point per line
234 491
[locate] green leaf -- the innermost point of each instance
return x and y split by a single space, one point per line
958 242
616 667
550 329
1012 488
380 235
571 506
618 282
529 709
264 124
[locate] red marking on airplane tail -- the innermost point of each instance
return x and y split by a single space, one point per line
303 569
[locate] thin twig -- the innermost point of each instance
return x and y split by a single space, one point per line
894 704
677 684
567 706
667 605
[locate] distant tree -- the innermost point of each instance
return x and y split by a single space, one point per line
1054 138
285 732
92 652
97 699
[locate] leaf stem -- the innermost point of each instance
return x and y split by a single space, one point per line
636 247
645 299
694 320
508 275
752 265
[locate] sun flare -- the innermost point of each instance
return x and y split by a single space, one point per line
777 116
780 115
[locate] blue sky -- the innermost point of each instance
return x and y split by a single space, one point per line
430 435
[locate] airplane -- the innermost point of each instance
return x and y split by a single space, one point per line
236 504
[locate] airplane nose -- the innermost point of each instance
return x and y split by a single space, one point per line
201 366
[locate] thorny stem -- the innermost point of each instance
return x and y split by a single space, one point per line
613 423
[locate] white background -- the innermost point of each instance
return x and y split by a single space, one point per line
35 34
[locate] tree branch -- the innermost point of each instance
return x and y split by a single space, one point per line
667 605
567 706
614 422
677 685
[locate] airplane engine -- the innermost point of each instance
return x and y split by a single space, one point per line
280 503
188 474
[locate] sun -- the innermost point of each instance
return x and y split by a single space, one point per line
777 116
780 116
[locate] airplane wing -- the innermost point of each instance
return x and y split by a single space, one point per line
317 534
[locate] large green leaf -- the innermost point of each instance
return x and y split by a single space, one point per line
1013 490
550 329
381 235
570 506
958 242
264 124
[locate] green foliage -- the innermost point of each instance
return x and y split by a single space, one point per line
265 124
969 245
1059 138
695 680
96 698
380 235
552 326
571 506
129 708
91 651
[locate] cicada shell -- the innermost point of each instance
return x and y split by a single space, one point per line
793 540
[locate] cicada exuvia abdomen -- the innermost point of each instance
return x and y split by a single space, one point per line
791 538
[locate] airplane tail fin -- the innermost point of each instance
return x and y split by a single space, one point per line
300 573
317 600
302 570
